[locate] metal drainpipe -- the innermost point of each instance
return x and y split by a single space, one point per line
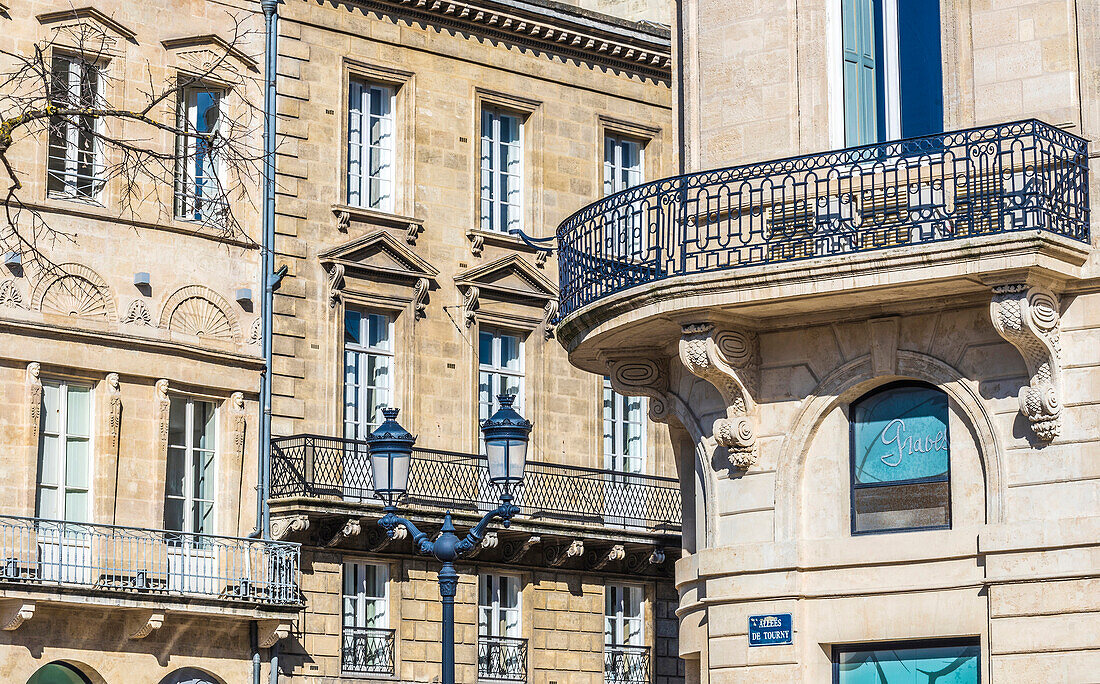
267 258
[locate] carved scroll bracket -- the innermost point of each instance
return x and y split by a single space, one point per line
600 559
271 631
284 527
378 540
634 374
14 613
1028 317
145 623
490 541
335 284
730 361
557 555
515 550
470 304
352 527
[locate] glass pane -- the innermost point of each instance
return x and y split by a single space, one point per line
173 514
352 326
51 408
79 409
175 471
76 463
935 665
509 592
203 425
76 505
49 460
899 435
509 352
204 475
46 506
485 348
894 507
177 421
203 518
379 331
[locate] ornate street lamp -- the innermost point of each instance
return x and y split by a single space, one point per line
506 435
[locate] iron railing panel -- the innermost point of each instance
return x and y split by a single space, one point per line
1025 175
367 650
501 659
625 664
334 467
41 552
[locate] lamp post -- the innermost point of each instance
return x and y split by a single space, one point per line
506 435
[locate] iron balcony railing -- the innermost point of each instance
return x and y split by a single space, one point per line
40 552
1012 177
333 467
626 664
501 659
367 650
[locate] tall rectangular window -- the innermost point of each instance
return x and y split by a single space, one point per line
500 370
189 478
74 158
501 170
368 371
498 606
623 621
622 169
943 662
893 72
370 146
64 452
200 180
623 431
367 639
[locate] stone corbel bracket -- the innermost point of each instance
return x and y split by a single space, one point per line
557 555
637 375
730 361
514 551
490 541
601 558
351 528
271 631
378 540
471 302
283 528
1028 317
14 613
145 624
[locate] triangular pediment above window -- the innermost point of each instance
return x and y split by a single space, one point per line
380 254
509 277
87 30
209 53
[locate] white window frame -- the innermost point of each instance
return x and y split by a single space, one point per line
491 172
355 572
359 175
190 451
360 426
495 370
488 627
618 422
60 486
614 168
189 207
76 72
615 618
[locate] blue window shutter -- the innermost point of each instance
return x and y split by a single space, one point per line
860 72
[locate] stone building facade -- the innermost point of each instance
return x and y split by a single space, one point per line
414 136
877 360
129 367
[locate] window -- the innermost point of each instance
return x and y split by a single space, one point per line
623 622
622 164
501 170
623 431
500 358
200 180
74 156
900 460
501 653
947 662
893 73
64 452
368 641
368 371
189 480
370 146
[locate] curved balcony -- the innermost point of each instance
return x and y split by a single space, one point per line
865 226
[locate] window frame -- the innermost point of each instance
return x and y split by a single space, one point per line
495 370
618 425
361 599
494 605
928 642
620 618
390 93
900 384
366 351
72 142
188 498
618 141
186 181
493 221
61 487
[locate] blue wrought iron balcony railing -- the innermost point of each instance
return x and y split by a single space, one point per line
1022 176
624 664
367 650
337 468
35 552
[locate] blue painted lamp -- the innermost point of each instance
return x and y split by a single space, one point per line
390 454
506 435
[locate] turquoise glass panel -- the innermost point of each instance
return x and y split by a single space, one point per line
934 665
900 434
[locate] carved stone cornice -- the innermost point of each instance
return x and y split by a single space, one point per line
1028 317
730 361
632 47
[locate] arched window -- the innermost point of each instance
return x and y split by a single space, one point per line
900 460
58 673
